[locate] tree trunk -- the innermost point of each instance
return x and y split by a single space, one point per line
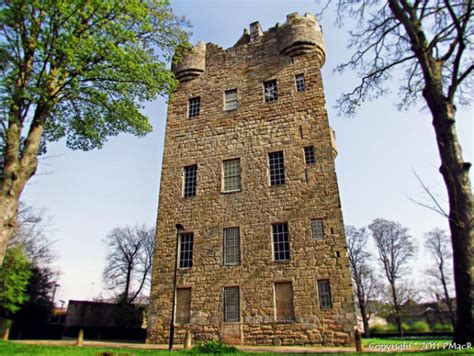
396 307
365 321
447 298
455 173
8 209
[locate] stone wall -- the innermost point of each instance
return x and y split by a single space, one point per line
295 120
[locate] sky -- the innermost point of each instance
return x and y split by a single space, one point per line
90 193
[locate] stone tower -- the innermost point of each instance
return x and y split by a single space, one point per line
248 171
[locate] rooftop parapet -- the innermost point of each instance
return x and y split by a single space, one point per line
192 65
300 35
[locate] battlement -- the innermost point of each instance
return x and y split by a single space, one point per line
299 35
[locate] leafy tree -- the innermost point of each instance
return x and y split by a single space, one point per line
438 245
129 261
395 249
362 272
77 70
430 42
14 277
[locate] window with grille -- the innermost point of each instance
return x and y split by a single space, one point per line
281 243
183 305
317 229
309 155
324 289
194 106
230 99
231 304
232 246
231 172
277 168
190 177
186 250
284 308
299 82
270 91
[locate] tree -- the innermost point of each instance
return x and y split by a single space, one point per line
437 244
362 272
129 261
395 249
430 41
14 277
76 70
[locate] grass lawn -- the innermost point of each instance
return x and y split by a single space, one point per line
387 346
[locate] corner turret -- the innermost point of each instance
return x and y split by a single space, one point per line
192 65
300 35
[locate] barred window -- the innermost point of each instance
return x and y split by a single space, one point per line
270 90
284 308
230 99
231 170
324 289
186 250
194 106
281 243
299 82
309 155
231 304
277 168
232 246
190 178
317 229
183 305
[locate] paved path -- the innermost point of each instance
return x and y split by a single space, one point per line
110 344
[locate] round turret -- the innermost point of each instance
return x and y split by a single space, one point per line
300 35
192 65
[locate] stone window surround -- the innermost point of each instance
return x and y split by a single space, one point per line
287 242
328 294
280 176
194 106
231 105
238 246
190 254
283 321
309 156
223 185
224 309
270 91
189 188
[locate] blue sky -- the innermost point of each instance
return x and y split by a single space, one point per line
89 193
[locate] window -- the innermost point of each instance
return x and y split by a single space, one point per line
277 168
284 309
183 305
186 250
231 304
309 155
231 175
230 99
194 106
232 246
299 82
317 229
281 243
270 90
190 177
324 294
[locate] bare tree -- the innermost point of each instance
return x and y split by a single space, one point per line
430 42
129 261
395 249
438 245
362 272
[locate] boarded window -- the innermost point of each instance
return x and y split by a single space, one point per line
183 305
190 178
231 304
232 246
324 289
231 175
317 229
284 309
230 99
186 250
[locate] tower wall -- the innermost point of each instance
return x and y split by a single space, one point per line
295 120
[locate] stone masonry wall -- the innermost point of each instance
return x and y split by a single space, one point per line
295 120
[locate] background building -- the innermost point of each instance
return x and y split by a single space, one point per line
248 170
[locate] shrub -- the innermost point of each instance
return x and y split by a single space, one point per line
405 327
442 327
377 329
420 327
213 347
390 328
